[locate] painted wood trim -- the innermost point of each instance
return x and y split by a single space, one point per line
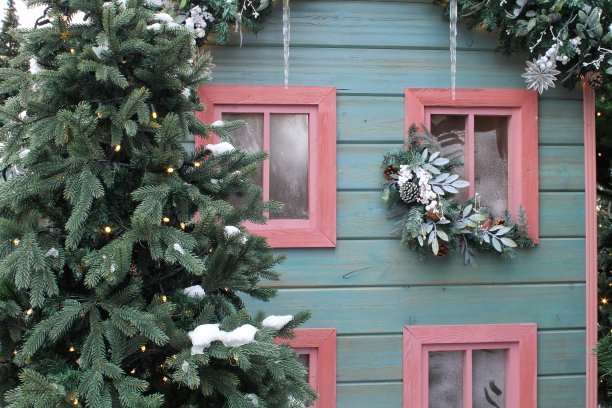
524 166
324 341
521 377
590 176
320 231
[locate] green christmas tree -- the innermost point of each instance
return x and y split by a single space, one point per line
9 46
122 259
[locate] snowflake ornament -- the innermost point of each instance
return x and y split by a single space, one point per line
540 77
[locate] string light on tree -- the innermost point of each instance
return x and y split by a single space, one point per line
164 298
29 312
143 348
133 371
166 219
107 230
16 241
170 170
118 148
72 349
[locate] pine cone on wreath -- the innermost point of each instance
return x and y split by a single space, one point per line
409 192
390 171
442 248
594 78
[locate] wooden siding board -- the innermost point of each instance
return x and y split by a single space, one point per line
379 358
388 262
384 310
553 392
371 71
363 215
561 167
364 24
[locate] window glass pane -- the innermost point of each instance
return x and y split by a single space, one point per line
249 137
491 162
304 359
446 379
450 132
489 378
289 164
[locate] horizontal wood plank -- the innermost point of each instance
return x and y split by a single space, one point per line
359 166
363 215
365 24
379 358
371 71
385 310
553 392
388 262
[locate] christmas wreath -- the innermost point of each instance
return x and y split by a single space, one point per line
419 190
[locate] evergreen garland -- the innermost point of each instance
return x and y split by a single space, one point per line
573 38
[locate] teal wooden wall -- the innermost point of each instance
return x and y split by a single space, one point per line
370 286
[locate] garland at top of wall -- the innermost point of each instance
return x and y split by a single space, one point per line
566 40
419 188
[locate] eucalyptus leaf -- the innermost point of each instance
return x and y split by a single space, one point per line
386 193
460 184
496 227
503 231
508 242
496 244
435 247
432 237
443 221
467 210
477 217
441 161
424 154
437 190
441 178
420 239
431 169
452 178
433 156
450 189
443 235
428 228
486 238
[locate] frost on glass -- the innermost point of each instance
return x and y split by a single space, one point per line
450 132
446 379
304 359
489 378
248 138
491 162
289 164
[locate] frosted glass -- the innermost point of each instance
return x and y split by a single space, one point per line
488 378
491 162
249 137
446 379
289 164
450 132
304 359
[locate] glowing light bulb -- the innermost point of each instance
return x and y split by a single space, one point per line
71 349
64 17
604 301
166 219
99 114
165 379
143 348
164 298
154 115
599 154
118 148
170 170
75 401
29 312
598 113
182 225
133 371
14 352
16 241
108 230
72 51
197 164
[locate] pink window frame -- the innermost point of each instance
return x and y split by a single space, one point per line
320 345
521 365
522 108
319 230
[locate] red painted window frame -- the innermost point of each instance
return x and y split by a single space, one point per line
319 231
522 107
521 371
320 345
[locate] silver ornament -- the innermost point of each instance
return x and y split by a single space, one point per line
540 78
